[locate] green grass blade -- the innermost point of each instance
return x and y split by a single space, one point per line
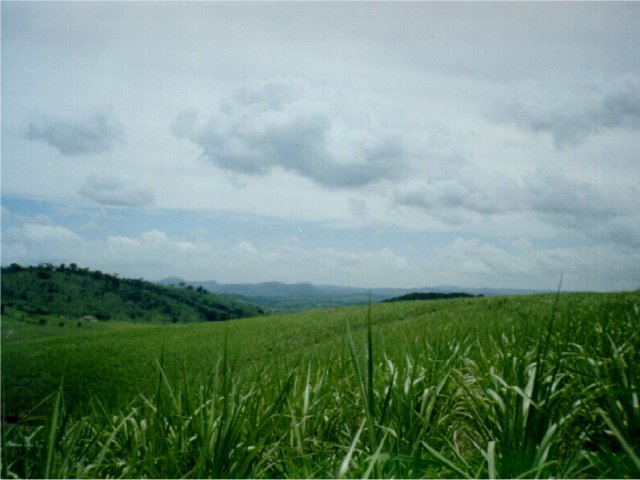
491 459
375 458
445 461
53 434
625 445
370 361
346 461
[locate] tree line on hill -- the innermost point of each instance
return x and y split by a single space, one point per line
75 292
430 296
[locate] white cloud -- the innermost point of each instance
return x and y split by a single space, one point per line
48 233
446 197
477 259
465 261
157 255
246 248
470 262
154 255
594 267
35 243
123 243
108 190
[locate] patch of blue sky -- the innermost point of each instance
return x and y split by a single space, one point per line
199 225
232 228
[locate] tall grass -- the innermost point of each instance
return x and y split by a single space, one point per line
513 395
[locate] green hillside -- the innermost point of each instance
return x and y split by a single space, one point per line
46 293
531 386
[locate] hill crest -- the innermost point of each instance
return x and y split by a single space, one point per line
75 292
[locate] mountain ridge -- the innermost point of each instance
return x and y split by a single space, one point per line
303 295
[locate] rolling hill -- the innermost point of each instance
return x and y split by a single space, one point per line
44 292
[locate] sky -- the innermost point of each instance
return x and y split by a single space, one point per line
359 144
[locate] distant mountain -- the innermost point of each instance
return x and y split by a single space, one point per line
266 289
303 296
284 296
47 291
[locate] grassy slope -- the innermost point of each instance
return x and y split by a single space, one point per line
442 370
118 358
40 292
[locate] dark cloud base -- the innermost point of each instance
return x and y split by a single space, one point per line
89 134
290 125
113 191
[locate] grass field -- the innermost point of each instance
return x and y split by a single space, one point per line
534 386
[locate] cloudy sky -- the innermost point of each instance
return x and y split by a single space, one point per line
364 144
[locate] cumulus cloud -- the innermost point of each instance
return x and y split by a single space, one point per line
34 243
452 194
87 134
5 213
471 261
623 231
571 116
290 125
113 191
474 258
48 233
246 248
546 192
464 261
541 191
565 204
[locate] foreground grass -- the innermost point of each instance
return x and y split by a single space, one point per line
517 387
